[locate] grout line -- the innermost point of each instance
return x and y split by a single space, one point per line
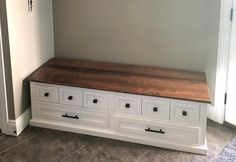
71 155
9 148
143 155
1 158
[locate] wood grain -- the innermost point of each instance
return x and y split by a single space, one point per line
143 80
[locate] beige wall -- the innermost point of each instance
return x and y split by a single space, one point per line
31 44
165 33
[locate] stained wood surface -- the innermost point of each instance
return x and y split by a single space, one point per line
143 80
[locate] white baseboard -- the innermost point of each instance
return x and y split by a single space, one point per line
15 127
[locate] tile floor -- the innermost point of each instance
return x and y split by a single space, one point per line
43 145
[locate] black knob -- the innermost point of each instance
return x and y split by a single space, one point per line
46 94
70 97
95 101
155 109
127 105
184 113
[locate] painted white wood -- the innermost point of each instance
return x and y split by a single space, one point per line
216 111
52 94
230 112
101 98
122 124
157 109
128 104
72 96
171 132
192 112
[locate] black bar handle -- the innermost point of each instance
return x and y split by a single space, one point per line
68 116
155 131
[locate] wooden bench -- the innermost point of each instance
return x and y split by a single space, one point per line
148 105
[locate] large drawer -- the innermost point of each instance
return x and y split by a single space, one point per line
71 115
156 130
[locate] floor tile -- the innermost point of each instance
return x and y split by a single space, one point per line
7 142
51 146
106 150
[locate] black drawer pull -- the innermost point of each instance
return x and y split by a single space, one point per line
184 113
72 117
127 105
155 131
70 97
95 101
155 109
46 94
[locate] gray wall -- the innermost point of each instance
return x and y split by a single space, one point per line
7 60
164 33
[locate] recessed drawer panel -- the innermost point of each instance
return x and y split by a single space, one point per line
128 104
158 108
71 97
95 100
47 93
185 112
72 116
157 130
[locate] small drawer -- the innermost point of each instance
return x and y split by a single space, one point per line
156 108
156 130
128 104
71 97
61 114
95 100
188 113
47 93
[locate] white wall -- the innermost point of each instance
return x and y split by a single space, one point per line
31 44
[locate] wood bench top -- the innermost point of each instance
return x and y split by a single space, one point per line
142 80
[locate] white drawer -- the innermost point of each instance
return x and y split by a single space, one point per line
69 96
128 104
156 108
47 93
188 113
95 100
156 130
71 116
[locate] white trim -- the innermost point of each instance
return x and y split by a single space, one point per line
216 112
22 121
15 127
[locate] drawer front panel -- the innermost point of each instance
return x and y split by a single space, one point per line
128 104
185 113
158 109
71 97
95 100
47 93
72 116
157 130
